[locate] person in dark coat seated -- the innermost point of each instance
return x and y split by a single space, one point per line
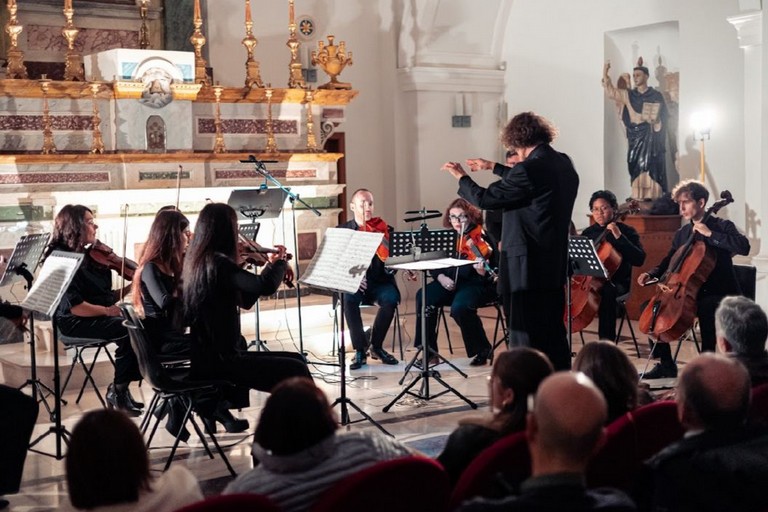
720 464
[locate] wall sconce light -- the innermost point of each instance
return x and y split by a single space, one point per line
702 127
462 111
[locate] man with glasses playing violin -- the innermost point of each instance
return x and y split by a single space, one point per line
625 240
725 238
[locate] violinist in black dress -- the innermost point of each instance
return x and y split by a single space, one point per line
88 308
720 234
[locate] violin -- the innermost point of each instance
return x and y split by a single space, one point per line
473 246
672 310
585 290
251 253
102 254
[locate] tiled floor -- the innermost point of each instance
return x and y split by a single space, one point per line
421 423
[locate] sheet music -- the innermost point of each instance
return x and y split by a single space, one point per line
433 264
54 278
342 259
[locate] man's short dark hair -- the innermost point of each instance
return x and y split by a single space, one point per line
693 188
607 195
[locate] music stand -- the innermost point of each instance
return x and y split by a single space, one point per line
55 277
582 261
339 265
22 265
423 251
261 203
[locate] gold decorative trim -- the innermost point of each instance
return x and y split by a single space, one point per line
186 91
175 157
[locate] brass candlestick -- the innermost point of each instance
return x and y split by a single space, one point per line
16 67
311 141
252 72
144 30
271 143
333 59
218 145
73 68
97 144
198 41
295 78
48 145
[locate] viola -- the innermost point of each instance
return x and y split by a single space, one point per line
473 246
102 254
672 311
251 253
585 290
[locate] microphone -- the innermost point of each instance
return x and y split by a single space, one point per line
425 216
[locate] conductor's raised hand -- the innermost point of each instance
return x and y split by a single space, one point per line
455 168
479 164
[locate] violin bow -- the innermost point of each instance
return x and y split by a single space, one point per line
178 186
125 247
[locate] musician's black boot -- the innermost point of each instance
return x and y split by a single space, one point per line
482 357
118 399
663 370
383 355
231 424
359 360
135 403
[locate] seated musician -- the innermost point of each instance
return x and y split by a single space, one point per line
88 308
214 287
464 288
720 234
378 286
625 240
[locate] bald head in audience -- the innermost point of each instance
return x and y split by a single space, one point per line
566 424
713 392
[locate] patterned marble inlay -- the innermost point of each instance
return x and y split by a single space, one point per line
40 178
242 174
162 175
35 123
246 126
89 40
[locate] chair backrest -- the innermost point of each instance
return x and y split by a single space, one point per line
233 503
758 411
410 484
149 364
746 275
508 458
630 440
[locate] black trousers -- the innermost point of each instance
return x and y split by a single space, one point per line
19 414
106 328
536 321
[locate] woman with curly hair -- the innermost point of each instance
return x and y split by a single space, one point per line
465 288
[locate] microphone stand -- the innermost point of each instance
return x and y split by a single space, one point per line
260 167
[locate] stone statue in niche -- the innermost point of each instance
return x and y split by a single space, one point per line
645 116
155 134
157 88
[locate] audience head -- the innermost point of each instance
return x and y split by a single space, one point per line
527 130
107 461
566 423
742 326
515 376
612 372
713 392
297 415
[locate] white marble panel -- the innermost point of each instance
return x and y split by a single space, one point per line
131 120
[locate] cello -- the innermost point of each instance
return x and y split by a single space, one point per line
585 290
672 310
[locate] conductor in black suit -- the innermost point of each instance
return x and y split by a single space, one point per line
537 197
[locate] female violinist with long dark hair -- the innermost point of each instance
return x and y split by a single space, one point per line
88 308
465 288
214 287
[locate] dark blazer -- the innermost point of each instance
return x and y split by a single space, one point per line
537 197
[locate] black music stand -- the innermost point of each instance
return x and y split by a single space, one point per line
339 265
55 277
252 204
582 261
22 265
424 250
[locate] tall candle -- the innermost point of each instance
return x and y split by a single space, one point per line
248 11
197 10
68 4
291 15
11 3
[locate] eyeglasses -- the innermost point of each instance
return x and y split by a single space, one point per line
460 218
603 209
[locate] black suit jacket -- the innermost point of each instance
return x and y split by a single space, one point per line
537 197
